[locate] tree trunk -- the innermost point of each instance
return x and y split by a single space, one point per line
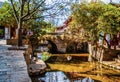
102 50
19 33
108 44
19 38
90 52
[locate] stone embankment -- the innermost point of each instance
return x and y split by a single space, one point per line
36 66
13 67
112 64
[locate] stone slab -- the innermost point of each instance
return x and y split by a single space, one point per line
13 67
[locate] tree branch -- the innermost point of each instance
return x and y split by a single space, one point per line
22 8
47 16
20 2
28 6
15 12
34 10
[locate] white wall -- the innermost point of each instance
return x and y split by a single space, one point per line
7 33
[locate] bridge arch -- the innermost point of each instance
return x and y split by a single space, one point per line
71 47
52 47
77 47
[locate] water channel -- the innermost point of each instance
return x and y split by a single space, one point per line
60 69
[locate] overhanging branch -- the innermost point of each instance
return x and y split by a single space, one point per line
15 12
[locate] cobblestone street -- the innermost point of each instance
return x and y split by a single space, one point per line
12 65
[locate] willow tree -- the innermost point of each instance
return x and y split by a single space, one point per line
25 10
85 15
95 18
109 22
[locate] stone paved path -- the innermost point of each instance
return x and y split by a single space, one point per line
12 65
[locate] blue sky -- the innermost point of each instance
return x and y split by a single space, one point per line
2 0
107 1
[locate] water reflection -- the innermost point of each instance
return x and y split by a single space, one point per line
58 76
55 77
75 70
84 80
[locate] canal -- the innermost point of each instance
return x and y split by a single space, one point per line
74 69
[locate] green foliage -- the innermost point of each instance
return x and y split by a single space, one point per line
39 29
6 15
1 32
85 16
45 56
94 18
109 22
48 27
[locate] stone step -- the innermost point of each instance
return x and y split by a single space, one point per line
37 67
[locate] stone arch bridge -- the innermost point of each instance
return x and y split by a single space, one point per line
57 42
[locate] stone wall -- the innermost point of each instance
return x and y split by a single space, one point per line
106 55
15 41
111 54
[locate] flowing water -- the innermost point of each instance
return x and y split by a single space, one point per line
59 69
